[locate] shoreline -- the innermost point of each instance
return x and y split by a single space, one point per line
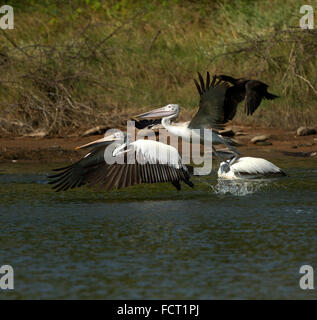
61 149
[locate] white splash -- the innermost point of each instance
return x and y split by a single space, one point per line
238 187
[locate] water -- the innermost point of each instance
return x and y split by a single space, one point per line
224 241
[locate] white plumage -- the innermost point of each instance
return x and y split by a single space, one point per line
150 151
248 167
115 162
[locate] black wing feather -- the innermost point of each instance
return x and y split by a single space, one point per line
211 106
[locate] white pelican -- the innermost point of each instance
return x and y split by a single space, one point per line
103 168
209 115
248 168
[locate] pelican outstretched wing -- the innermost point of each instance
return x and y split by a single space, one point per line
211 104
76 174
154 162
255 91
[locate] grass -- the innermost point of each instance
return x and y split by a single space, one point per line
72 65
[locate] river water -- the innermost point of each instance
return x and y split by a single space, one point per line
218 241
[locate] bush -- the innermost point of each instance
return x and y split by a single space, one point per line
70 65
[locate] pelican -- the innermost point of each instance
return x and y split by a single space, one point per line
246 167
210 115
253 91
102 167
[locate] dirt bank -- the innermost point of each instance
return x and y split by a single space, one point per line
28 149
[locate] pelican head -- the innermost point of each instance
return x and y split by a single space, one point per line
170 111
123 139
116 136
224 167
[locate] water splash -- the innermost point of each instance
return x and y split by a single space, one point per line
238 187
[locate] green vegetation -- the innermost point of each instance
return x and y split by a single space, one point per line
70 65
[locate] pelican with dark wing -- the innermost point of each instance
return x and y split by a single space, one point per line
209 116
115 162
252 91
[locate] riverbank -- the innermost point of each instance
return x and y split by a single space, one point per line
41 150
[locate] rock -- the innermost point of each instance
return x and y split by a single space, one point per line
258 139
95 131
238 143
308 144
305 131
263 143
300 154
37 134
227 132
241 133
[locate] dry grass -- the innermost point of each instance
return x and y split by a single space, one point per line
68 67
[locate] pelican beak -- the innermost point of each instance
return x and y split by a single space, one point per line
100 142
119 149
155 114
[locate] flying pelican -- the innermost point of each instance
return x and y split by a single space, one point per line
253 91
210 115
155 162
246 167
